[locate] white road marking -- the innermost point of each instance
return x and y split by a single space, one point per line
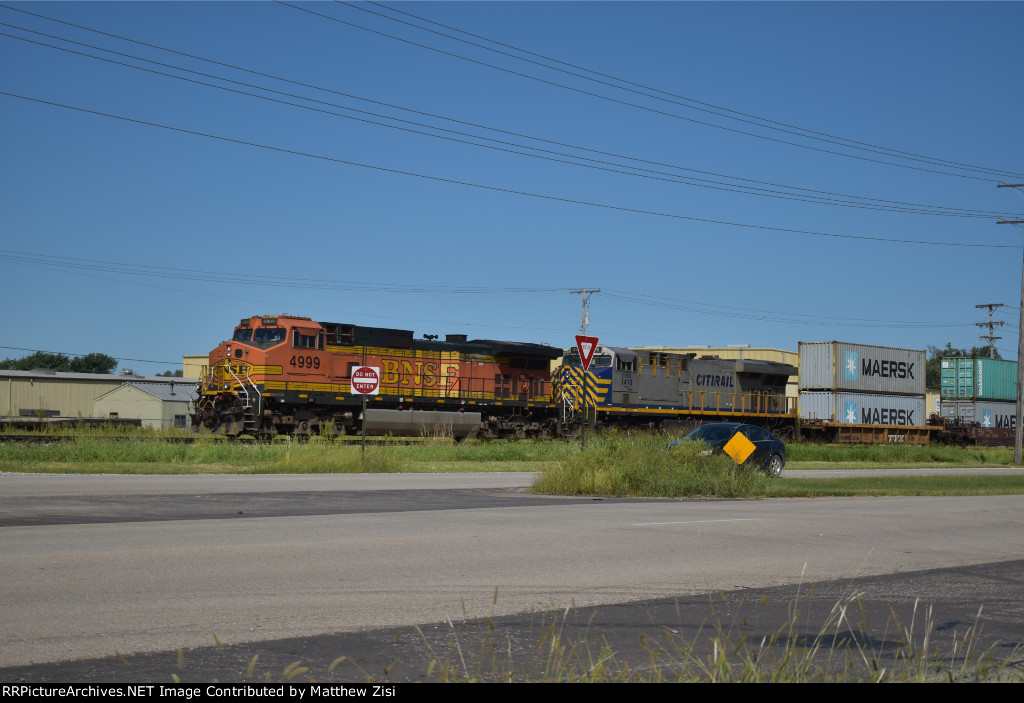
696 522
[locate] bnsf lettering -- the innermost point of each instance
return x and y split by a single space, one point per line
886 369
886 416
418 373
707 379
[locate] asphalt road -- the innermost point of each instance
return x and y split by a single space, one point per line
313 567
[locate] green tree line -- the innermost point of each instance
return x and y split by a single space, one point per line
89 363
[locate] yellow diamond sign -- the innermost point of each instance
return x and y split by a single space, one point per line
739 448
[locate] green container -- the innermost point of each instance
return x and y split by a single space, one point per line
984 379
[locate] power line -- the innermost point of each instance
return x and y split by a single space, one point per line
511 191
78 354
697 104
148 271
807 195
264 280
768 315
993 173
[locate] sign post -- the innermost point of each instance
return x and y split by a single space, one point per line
585 346
365 381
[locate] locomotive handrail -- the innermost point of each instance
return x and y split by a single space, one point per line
227 365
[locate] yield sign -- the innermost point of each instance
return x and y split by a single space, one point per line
586 346
365 380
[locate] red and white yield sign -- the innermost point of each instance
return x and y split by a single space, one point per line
586 346
366 380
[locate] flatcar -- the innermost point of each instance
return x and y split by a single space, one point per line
292 375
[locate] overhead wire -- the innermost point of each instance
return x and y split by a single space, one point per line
696 104
264 280
632 104
149 271
79 354
769 316
512 191
802 195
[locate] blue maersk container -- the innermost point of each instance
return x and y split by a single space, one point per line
974 377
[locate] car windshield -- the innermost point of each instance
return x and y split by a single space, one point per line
711 433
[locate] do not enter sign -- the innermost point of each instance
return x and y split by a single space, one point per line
366 380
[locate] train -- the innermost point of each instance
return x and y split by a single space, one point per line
292 375
286 374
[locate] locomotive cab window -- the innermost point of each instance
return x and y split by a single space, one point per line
268 336
307 341
242 336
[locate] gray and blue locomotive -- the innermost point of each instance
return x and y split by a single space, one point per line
631 387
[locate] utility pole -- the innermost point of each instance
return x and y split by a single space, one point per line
1020 336
991 324
585 294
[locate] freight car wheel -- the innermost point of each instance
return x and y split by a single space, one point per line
774 468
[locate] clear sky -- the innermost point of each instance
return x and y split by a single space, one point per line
411 165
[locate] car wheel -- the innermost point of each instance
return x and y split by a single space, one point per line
774 467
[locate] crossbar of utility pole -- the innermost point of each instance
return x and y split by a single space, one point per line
991 325
584 294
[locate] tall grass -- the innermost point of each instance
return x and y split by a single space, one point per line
840 649
620 464
558 648
614 463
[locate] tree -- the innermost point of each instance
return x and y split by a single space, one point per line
94 363
90 363
38 360
935 355
172 374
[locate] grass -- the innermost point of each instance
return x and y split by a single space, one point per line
812 455
839 650
618 464
559 646
613 464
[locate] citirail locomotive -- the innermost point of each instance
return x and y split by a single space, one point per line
636 387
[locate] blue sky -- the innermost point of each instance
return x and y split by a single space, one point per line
147 243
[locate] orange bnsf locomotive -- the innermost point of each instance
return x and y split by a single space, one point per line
292 375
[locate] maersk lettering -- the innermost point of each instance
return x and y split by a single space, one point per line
709 379
1006 421
886 368
886 416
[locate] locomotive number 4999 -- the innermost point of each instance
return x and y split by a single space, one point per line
305 362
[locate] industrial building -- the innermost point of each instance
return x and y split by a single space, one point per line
158 401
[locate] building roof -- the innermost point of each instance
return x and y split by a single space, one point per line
178 392
108 377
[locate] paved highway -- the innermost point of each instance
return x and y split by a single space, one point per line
93 565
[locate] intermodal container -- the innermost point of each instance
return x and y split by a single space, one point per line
842 366
979 378
862 408
986 413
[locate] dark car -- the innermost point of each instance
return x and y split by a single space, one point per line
769 452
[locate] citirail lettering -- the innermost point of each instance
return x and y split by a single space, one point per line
886 368
707 379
